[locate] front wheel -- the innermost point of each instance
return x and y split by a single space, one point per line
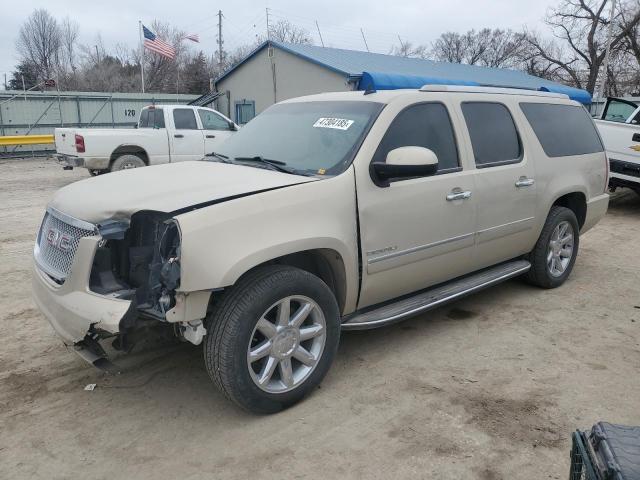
555 252
272 338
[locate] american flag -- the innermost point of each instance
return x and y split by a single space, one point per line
193 37
153 43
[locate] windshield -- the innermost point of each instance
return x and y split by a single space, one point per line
308 137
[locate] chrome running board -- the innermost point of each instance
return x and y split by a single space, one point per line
434 297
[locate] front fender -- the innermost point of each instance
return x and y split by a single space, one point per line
223 241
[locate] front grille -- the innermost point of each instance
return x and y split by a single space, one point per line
57 244
625 168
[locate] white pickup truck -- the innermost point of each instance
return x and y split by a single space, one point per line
619 127
164 133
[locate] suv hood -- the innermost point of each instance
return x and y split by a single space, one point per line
164 188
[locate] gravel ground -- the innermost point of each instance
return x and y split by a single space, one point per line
490 387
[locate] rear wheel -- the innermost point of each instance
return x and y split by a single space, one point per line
272 338
554 255
125 162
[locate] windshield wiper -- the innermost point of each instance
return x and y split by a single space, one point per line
223 158
271 164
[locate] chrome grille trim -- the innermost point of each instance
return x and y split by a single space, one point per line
51 259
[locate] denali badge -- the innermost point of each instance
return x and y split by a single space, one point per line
59 240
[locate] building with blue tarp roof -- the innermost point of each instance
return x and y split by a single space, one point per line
276 71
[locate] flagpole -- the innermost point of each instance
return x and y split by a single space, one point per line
141 55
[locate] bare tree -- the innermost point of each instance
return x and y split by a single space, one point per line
286 32
449 47
407 49
69 42
486 47
581 27
39 42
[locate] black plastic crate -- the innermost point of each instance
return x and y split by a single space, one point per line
606 452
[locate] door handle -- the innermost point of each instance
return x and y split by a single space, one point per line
458 195
525 182
636 137
210 136
178 135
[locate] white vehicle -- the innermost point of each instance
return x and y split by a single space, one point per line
338 211
619 127
164 133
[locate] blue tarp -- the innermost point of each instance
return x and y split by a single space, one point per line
395 81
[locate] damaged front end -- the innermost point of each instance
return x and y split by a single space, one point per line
139 260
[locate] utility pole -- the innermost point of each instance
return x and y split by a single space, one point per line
220 59
365 40
319 34
5 81
607 50
268 29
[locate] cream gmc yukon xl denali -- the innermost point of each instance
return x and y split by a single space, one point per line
325 213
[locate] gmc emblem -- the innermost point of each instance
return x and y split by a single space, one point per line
59 240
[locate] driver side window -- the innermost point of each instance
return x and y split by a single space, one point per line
425 125
212 121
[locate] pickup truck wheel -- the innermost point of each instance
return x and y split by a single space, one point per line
126 162
272 338
554 255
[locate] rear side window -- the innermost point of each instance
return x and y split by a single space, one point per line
151 118
562 130
423 125
494 136
184 119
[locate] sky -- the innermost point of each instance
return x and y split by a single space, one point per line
416 21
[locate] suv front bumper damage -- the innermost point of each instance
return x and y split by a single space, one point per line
71 308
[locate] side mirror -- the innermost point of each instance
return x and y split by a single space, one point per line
232 127
135 126
403 163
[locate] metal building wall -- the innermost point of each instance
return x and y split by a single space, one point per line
40 112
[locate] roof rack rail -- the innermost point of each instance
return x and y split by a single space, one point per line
491 89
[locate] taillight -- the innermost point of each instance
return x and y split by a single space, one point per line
79 144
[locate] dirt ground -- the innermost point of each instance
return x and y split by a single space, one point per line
490 387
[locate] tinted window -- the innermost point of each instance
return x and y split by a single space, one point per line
184 119
158 116
144 119
423 125
212 121
494 137
151 118
562 129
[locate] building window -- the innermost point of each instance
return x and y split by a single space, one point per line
245 111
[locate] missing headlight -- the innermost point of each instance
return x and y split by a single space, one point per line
141 262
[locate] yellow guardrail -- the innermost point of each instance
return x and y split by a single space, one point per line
26 140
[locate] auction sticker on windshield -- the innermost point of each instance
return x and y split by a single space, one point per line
337 123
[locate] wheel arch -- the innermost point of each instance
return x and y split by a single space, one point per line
575 201
129 149
325 263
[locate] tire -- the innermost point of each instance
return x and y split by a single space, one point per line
234 334
125 162
544 272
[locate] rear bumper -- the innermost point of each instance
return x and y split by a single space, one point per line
71 308
596 209
92 163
